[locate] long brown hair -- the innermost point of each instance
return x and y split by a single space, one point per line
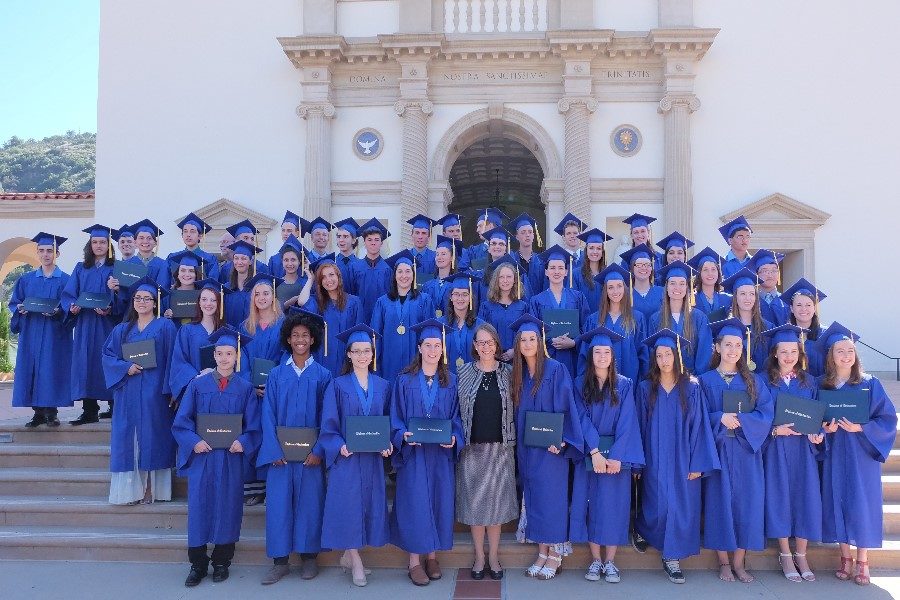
687 323
450 313
594 393
626 319
90 260
756 321
415 366
322 297
742 368
774 373
217 321
698 282
586 274
494 285
347 367
829 382
519 366
654 377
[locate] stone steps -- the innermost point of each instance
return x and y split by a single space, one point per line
77 456
29 481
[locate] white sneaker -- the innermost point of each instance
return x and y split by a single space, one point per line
594 571
612 573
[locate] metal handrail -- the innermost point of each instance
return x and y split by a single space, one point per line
896 359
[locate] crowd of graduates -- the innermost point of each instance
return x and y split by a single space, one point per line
653 343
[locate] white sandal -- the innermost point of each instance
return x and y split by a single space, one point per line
793 577
546 572
533 570
806 575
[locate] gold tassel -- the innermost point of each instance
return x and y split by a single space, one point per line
537 233
109 244
544 341
748 343
680 360
158 301
775 257
253 260
221 301
453 256
444 342
470 293
571 274
518 283
374 354
631 286
239 352
326 337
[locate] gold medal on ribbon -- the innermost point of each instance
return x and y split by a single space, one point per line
438 313
401 329
460 362
751 364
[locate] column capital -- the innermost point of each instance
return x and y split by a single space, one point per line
326 109
425 106
670 101
568 102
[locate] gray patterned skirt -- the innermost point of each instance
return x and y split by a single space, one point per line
486 485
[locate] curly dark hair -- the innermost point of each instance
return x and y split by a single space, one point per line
293 320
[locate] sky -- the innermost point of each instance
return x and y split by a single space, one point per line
49 50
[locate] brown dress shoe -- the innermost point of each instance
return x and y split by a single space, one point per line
433 569
418 576
275 574
308 568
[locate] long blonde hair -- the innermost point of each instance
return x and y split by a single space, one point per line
494 286
253 318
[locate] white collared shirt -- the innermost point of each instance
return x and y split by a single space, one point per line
299 370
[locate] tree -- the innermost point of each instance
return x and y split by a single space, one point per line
5 361
59 163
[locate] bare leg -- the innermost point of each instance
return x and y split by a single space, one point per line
478 542
493 535
740 568
611 553
413 560
595 551
725 573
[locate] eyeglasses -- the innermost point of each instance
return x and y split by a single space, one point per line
485 343
142 299
362 352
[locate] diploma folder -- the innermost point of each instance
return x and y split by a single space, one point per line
142 353
286 291
183 303
128 272
806 414
853 404
93 300
561 321
219 430
40 305
208 357
605 445
297 442
261 369
543 429
430 431
737 401
367 434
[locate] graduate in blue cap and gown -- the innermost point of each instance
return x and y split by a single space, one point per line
146 238
263 325
642 235
765 264
292 226
803 300
617 315
44 352
734 496
525 228
246 232
356 513
745 302
346 232
92 325
678 314
503 302
737 234
446 254
542 384
487 220
790 460
852 503
295 491
498 252
646 298
193 228
186 270
679 449
237 301
420 237
461 321
559 265
395 313
295 266
675 247
708 295
216 475
191 337
601 496
452 228
423 514
320 236
142 449
124 237
371 276
569 229
340 310
592 262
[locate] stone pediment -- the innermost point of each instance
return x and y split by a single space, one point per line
224 212
779 209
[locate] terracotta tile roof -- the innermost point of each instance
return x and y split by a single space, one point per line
47 196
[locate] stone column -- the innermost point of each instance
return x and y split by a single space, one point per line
414 186
577 165
678 194
317 185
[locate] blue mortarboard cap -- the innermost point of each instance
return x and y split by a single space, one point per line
319 223
674 239
147 226
322 260
294 219
600 336
192 219
730 326
764 257
639 251
784 333
461 281
569 218
704 256
528 322
292 243
229 336
101 231
421 222
804 288
594 236
506 259
666 337
556 252
834 334
296 310
374 226
638 220
185 258
212 284
358 333
263 278
614 272
147 284
731 227
521 221
404 257
454 246
675 269
125 230
492 215
429 328
48 239
348 225
244 226
450 220
245 249
743 277
497 232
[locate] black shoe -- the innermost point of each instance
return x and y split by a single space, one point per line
673 570
638 543
496 575
194 577
86 418
220 573
52 421
478 575
107 414
35 421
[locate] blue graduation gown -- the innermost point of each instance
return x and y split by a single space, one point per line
569 299
793 497
237 307
369 283
396 351
601 503
544 476
439 292
295 493
44 355
266 344
142 401
815 358
533 270
501 317
852 510
210 262
734 496
423 514
591 294
345 266
720 300
732 265
699 353
648 304
631 354
216 478
338 321
274 265
226 267
185 364
775 312
91 331
482 288
459 342
356 513
760 346
477 251
424 260
676 442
